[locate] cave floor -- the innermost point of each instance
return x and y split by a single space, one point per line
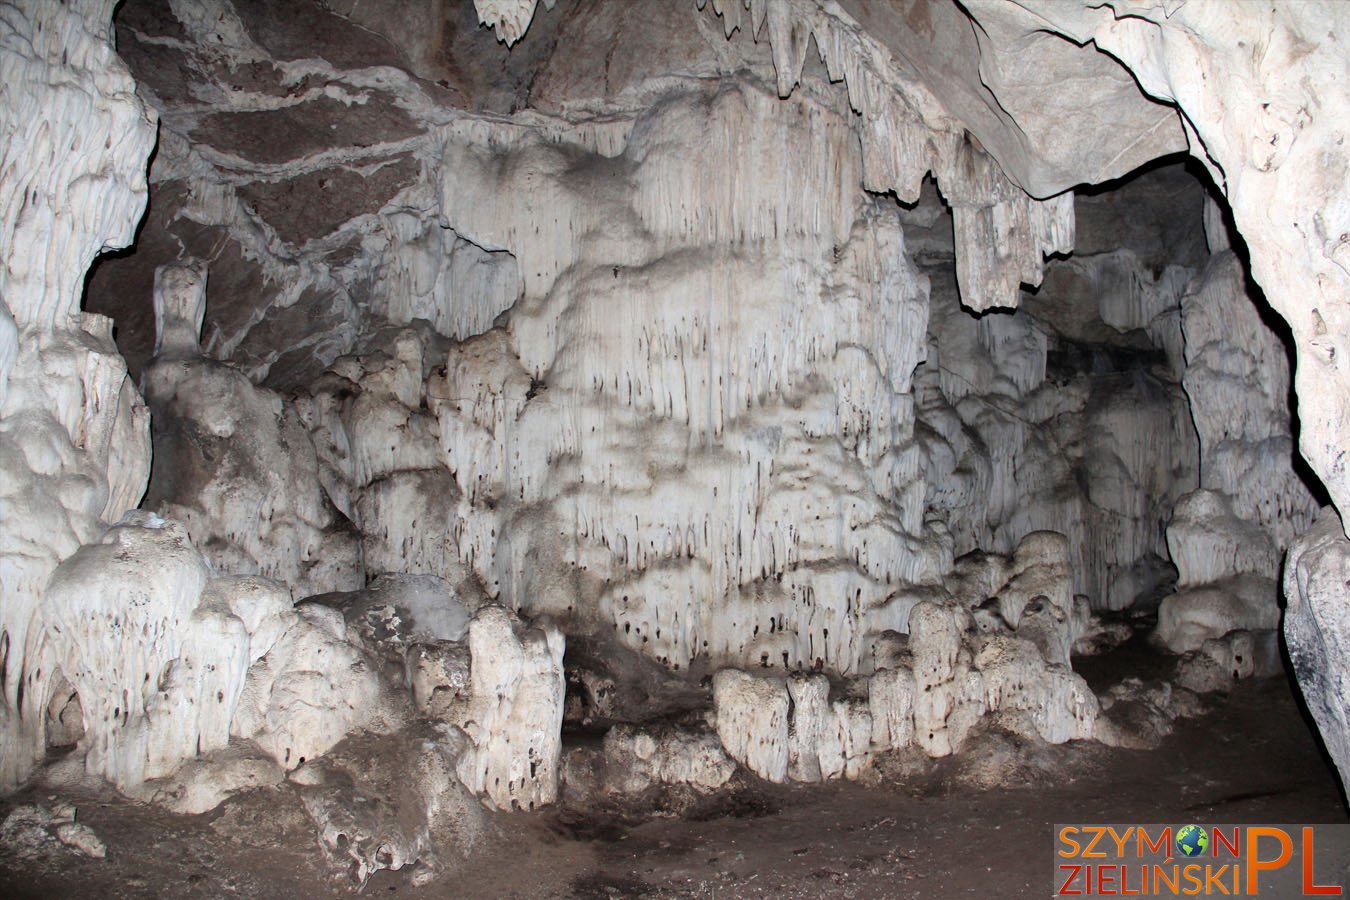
979 824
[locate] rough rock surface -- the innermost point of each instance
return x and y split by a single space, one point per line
1068 415
624 331
1265 124
1225 567
1237 378
147 704
1317 630
950 669
74 453
313 687
632 761
233 462
31 831
513 712
388 802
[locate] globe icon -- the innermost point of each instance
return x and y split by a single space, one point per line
1192 840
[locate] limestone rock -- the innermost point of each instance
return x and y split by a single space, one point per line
1017 677
1267 131
33 832
827 738
73 433
203 783
1225 567
388 802
1189 618
312 688
509 18
891 699
148 704
439 675
1317 630
180 305
753 722
81 838
264 606
1237 376
513 714
1138 714
637 758
235 465
667 362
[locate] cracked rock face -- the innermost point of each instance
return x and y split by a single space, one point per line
778 358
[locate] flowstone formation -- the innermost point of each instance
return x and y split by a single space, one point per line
1001 642
759 355
74 450
1068 414
762 384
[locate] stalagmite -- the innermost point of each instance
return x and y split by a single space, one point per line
753 722
513 715
238 469
1226 572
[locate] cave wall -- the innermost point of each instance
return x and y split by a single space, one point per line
1261 99
668 371
74 447
1270 138
1068 414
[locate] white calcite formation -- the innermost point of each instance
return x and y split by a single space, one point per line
1264 125
74 449
513 713
1226 568
890 700
1017 678
471 668
234 463
753 721
957 665
1237 377
1228 538
1222 662
653 353
1317 630
1097 446
1028 594
1267 127
30 832
634 760
828 738
508 18
949 697
1002 233
313 687
762 358
380 461
436 275
391 801
155 647
203 783
1138 714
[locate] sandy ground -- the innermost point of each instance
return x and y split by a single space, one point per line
922 830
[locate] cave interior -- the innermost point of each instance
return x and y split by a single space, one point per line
607 409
